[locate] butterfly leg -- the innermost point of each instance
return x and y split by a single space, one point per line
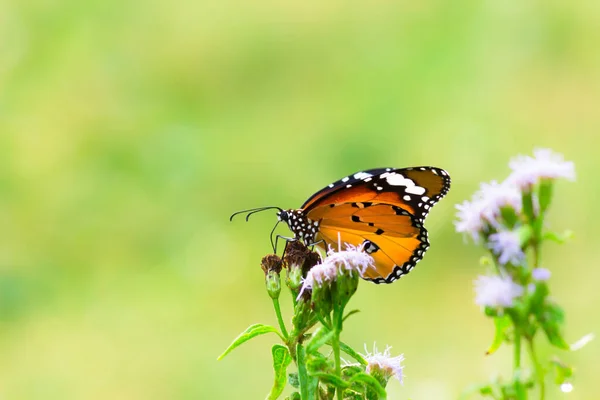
312 245
287 240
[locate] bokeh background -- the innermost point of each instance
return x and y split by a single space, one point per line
131 130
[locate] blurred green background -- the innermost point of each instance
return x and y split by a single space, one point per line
131 130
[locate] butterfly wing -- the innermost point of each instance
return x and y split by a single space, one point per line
414 189
391 235
382 209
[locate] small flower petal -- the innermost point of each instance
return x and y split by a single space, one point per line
496 291
507 245
540 274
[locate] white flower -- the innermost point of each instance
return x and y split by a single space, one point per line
496 291
348 261
540 274
384 363
485 208
507 245
470 218
500 195
527 171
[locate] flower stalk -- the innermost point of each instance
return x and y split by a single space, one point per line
321 290
508 218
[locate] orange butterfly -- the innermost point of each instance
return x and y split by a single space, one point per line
381 209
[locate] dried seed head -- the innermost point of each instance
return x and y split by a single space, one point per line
271 262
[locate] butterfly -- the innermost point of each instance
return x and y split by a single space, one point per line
381 210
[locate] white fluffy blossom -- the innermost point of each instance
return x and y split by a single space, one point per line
348 261
496 291
545 164
507 246
485 208
384 363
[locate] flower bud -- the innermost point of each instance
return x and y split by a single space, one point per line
298 261
273 283
271 266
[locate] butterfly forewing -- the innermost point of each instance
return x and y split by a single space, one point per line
414 189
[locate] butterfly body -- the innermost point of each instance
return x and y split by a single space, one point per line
382 210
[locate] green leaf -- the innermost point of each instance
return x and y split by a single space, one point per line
559 238
315 365
294 396
371 383
308 384
320 337
350 351
349 371
551 327
554 336
562 371
281 360
332 379
350 313
249 333
502 325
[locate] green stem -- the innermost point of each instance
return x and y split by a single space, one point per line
536 254
538 368
302 372
521 393
517 359
338 360
280 319
338 321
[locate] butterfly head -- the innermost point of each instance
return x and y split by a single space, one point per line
283 215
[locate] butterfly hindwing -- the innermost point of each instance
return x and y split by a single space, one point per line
393 237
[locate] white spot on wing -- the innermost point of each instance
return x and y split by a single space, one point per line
418 190
395 179
362 175
346 179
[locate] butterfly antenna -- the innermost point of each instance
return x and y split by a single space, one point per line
251 211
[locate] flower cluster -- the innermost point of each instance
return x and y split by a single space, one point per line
496 205
508 218
321 290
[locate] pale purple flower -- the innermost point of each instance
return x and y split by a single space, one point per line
507 246
470 218
496 291
348 261
540 274
384 363
500 195
485 208
546 164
